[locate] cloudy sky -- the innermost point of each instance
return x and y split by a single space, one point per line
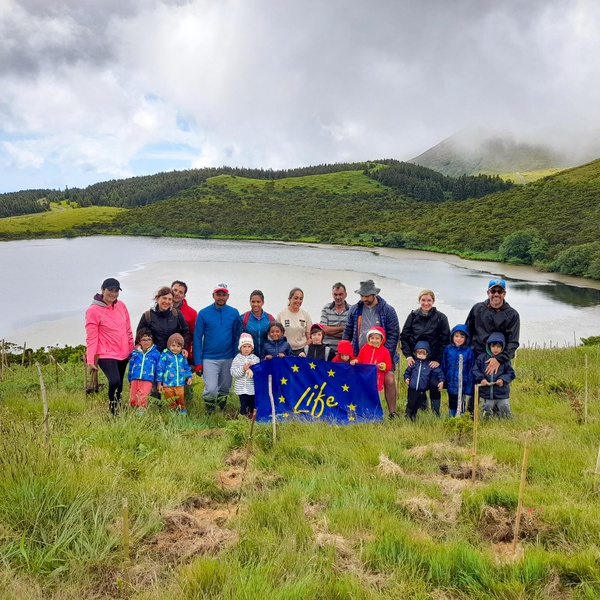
106 89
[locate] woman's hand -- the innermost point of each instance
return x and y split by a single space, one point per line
410 361
434 364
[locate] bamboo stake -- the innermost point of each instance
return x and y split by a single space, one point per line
521 491
475 427
585 394
126 557
248 447
597 472
459 405
46 422
273 417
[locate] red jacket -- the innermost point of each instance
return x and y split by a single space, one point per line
190 315
369 355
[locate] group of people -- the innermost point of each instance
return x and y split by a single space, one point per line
218 343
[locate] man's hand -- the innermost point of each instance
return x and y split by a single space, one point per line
492 366
410 361
434 364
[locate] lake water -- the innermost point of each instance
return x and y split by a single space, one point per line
48 284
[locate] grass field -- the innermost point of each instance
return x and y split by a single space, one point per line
369 511
523 177
57 222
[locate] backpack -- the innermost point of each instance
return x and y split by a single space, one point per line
247 316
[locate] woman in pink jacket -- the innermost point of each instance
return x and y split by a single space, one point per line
109 339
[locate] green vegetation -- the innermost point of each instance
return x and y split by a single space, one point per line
23 203
524 177
58 222
368 511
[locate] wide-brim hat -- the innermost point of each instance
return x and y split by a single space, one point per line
368 288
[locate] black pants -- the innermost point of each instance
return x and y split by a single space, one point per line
416 400
115 373
436 398
247 405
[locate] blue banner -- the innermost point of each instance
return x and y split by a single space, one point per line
316 390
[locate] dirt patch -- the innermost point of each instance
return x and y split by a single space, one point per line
389 467
497 524
484 467
505 552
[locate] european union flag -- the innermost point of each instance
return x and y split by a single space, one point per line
317 390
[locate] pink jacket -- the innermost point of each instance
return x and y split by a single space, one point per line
108 331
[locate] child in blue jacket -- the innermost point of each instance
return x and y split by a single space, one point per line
419 378
494 389
142 369
276 344
173 373
458 347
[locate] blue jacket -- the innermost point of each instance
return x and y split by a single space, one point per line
281 346
216 333
257 328
421 375
388 320
173 369
142 365
450 363
505 372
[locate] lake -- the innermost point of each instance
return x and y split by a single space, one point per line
52 283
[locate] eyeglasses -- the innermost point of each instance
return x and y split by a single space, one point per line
497 291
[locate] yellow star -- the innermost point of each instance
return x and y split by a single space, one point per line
345 388
283 381
352 407
285 415
295 368
281 399
312 365
351 418
331 372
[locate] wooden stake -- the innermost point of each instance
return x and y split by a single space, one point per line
459 405
273 416
597 472
585 393
521 491
248 448
24 352
475 427
46 422
126 557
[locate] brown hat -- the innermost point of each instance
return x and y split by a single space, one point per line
175 337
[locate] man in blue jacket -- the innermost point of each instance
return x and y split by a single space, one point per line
217 331
372 310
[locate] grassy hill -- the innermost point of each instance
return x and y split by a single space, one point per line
372 511
480 150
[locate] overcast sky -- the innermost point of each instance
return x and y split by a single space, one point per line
105 89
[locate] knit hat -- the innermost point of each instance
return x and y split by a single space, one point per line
245 338
175 337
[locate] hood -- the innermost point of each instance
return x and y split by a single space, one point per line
423 345
345 347
495 337
463 329
378 330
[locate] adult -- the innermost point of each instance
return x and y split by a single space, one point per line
494 315
163 320
426 324
180 289
256 322
216 335
373 311
109 339
334 315
296 320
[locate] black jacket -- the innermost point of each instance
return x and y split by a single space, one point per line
162 324
433 329
484 320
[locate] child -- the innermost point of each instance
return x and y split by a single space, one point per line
142 369
173 373
317 349
276 344
345 353
494 388
375 353
419 378
241 369
458 347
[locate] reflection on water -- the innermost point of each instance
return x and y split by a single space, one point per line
561 292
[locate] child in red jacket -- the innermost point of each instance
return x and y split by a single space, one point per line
375 353
345 353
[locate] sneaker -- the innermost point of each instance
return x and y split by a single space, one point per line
392 416
183 412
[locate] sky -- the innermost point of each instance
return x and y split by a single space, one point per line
91 91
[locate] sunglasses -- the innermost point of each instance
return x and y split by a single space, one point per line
497 291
